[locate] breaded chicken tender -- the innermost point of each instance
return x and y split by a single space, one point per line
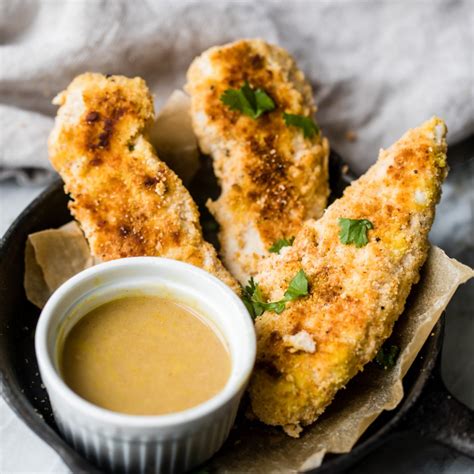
272 176
356 293
127 201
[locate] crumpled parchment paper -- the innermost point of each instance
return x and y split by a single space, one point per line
53 256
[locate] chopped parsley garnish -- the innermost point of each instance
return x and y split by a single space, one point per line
387 356
256 304
251 102
354 231
252 298
280 243
298 287
310 129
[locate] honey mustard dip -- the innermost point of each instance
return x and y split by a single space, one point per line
144 355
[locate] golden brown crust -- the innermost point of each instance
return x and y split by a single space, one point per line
272 177
127 201
356 294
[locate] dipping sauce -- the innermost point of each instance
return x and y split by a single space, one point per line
144 355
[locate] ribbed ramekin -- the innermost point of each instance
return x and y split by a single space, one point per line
127 443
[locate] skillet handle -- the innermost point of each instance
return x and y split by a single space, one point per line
438 416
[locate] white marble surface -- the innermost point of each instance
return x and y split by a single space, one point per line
21 451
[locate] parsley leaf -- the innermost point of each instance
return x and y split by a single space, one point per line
252 298
387 356
298 287
354 231
256 305
310 129
280 243
276 306
264 102
249 101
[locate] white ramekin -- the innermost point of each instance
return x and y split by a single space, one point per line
167 443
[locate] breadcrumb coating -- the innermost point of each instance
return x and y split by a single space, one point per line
356 294
127 201
272 177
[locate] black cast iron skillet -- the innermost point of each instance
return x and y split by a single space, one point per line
427 407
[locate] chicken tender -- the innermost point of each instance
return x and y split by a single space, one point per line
127 201
356 290
273 177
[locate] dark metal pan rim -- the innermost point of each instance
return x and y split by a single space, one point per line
413 399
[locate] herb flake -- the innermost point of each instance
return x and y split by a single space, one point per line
251 102
298 287
256 304
307 124
354 231
280 243
387 356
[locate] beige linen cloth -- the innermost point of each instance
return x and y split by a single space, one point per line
377 68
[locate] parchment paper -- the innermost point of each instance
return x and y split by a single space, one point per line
53 256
